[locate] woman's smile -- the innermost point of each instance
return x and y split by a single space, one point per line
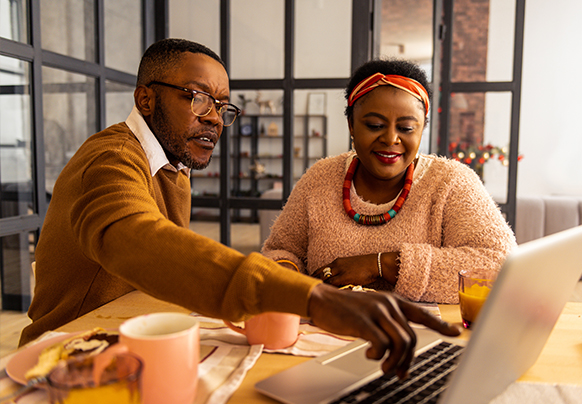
387 157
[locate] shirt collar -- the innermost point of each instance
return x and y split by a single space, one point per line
153 150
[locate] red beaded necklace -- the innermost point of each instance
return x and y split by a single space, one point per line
374 220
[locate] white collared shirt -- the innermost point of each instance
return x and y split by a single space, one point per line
153 150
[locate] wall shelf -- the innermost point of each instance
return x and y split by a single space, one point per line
256 153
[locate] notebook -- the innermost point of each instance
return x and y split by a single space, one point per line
534 284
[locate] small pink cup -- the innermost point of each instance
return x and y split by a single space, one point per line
169 346
273 330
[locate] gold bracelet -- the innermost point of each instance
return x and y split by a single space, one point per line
289 262
380 265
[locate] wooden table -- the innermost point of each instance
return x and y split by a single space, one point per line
559 362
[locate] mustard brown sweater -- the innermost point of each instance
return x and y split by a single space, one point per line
448 223
112 228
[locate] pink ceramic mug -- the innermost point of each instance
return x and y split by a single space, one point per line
273 330
169 346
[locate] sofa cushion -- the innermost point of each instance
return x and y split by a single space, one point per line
561 213
529 218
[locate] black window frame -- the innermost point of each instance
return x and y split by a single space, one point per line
444 87
154 26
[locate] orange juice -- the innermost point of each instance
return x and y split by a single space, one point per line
471 300
116 393
108 378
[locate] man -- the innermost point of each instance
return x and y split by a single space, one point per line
118 221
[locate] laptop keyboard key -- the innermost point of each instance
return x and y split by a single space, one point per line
426 381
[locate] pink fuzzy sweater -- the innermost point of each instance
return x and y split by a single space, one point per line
448 223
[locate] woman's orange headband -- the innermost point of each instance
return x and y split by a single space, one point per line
411 86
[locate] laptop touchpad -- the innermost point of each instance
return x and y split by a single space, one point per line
355 362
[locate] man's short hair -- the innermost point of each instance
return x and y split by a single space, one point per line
162 56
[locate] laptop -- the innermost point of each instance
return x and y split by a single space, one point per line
534 284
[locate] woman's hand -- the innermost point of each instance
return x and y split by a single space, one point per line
359 270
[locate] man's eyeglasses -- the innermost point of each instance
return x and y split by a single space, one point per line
202 104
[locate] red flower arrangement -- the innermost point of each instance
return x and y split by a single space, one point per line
476 156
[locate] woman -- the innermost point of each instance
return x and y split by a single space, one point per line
384 216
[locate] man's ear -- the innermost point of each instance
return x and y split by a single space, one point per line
145 100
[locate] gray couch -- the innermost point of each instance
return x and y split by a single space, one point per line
539 216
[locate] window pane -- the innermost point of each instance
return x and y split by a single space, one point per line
323 38
123 39
17 254
205 222
267 216
257 39
118 102
68 27
257 142
479 136
16 155
501 40
309 142
245 237
483 33
69 117
497 135
207 182
14 20
326 121
407 31
196 20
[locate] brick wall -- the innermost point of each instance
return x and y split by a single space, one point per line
470 32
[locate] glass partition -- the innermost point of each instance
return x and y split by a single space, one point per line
329 103
204 221
16 252
245 237
207 182
257 39
118 102
256 146
123 36
16 154
320 127
479 136
14 20
197 21
483 47
407 31
69 114
68 27
323 38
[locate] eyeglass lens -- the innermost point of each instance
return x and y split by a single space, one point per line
202 104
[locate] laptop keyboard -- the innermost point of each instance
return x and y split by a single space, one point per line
426 381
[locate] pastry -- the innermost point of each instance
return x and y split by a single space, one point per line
90 342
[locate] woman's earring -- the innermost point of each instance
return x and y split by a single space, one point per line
353 148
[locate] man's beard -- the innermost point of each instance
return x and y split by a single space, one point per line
171 147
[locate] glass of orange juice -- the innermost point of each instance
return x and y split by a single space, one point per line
474 287
75 381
